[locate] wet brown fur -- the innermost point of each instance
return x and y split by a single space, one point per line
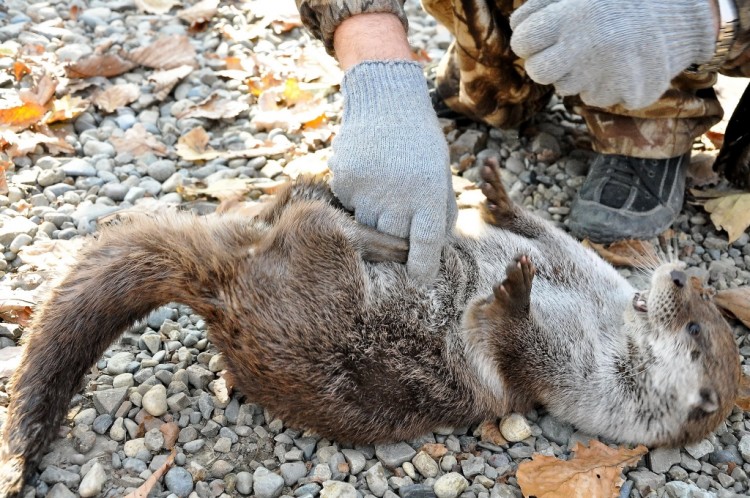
310 329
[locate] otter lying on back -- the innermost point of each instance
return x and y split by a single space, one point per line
320 324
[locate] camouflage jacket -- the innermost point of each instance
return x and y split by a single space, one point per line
322 17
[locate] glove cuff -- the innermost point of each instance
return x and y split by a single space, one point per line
689 31
385 91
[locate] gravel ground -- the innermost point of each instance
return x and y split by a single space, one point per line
161 385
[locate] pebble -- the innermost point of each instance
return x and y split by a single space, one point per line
179 481
425 464
108 401
59 490
161 170
355 459
244 483
515 428
393 455
700 449
155 401
293 472
376 480
93 481
337 489
645 481
662 459
450 485
266 484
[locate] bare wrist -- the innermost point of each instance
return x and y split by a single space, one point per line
370 36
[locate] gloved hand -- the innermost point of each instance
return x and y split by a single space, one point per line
390 160
612 51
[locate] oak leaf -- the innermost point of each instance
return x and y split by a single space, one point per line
107 65
138 141
164 81
166 52
214 107
114 97
156 6
594 472
736 302
633 253
730 213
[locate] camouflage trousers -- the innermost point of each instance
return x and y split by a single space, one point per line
482 78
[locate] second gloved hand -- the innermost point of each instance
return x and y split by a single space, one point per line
390 160
612 51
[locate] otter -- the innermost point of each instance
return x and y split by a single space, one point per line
320 323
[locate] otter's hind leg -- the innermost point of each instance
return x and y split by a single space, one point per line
500 211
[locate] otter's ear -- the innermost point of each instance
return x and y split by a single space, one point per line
709 402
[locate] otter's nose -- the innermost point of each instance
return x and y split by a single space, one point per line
679 278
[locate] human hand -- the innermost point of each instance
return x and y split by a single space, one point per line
612 51
390 160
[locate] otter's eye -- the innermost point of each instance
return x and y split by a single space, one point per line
693 329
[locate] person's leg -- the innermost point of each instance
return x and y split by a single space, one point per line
635 186
479 76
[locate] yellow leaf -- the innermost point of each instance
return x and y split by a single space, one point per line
23 116
730 213
593 472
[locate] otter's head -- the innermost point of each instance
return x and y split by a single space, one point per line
695 361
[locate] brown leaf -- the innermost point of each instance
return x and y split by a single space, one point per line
4 166
226 188
165 81
712 193
743 395
167 52
315 164
634 253
116 96
66 108
107 65
25 142
138 141
20 70
146 487
237 205
730 213
200 13
435 450
214 107
593 472
701 169
193 146
42 91
491 433
156 6
16 311
736 302
716 138
170 431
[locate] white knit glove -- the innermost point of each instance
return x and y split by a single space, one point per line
612 51
390 160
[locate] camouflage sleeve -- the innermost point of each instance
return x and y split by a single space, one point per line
322 17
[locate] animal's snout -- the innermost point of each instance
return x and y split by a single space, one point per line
679 278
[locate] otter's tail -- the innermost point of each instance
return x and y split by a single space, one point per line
133 268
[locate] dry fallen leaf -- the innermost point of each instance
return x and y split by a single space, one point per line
200 13
237 205
66 108
25 142
736 302
138 141
193 146
633 253
20 70
214 107
4 166
166 52
593 472
315 164
42 91
21 117
435 450
170 431
701 171
146 487
491 433
99 65
730 213
156 6
16 311
743 395
116 96
164 81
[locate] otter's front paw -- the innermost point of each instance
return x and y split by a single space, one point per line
514 293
